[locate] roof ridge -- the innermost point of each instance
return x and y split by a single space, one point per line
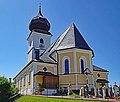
70 38
58 38
74 33
82 38
50 48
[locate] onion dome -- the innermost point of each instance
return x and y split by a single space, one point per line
39 22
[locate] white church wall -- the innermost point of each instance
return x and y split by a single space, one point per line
25 89
49 91
29 92
38 36
34 43
55 70
30 56
32 81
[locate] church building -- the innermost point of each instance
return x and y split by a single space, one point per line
67 61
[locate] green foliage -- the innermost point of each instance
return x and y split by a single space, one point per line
40 87
7 89
76 92
47 99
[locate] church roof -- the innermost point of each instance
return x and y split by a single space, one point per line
44 73
70 38
39 22
95 68
102 81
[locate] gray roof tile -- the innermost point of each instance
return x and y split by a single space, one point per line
95 68
70 38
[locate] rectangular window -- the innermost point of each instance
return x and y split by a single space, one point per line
29 80
24 79
18 83
21 82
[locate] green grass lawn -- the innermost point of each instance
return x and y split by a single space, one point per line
46 99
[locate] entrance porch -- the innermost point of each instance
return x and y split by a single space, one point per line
48 80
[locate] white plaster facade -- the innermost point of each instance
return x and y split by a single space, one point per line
34 43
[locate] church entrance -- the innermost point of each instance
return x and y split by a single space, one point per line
50 82
47 80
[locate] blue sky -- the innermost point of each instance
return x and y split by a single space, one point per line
97 20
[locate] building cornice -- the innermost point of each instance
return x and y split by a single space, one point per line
34 32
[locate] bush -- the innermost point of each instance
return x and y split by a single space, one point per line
7 89
76 91
40 87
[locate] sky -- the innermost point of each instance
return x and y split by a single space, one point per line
97 20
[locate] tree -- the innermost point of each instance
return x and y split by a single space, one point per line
7 89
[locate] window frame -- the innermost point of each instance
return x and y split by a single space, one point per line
29 78
63 64
41 41
66 66
84 63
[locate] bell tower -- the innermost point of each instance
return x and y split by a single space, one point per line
39 38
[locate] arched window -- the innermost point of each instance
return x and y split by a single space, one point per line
82 66
66 66
41 41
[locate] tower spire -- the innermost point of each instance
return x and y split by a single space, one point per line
40 13
39 22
